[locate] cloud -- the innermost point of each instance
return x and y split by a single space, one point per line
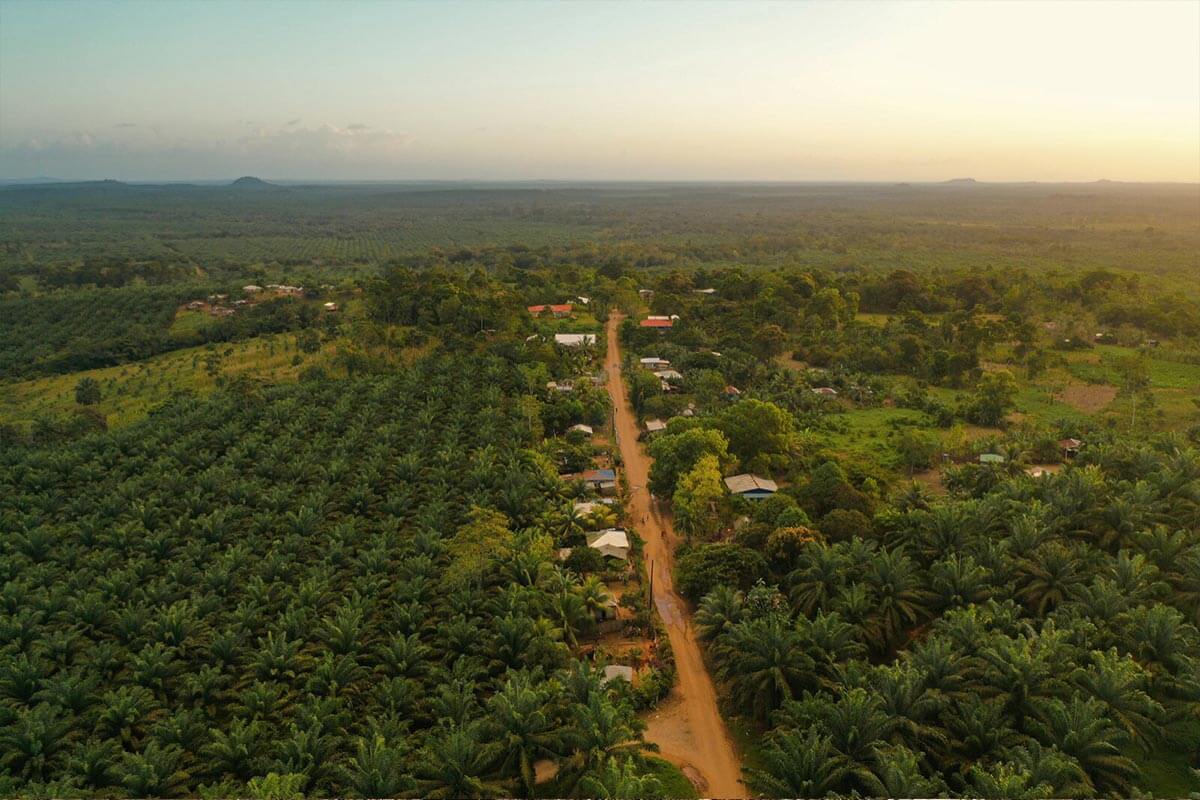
139 152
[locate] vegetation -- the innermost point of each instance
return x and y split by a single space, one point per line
298 551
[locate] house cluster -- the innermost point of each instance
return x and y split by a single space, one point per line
283 290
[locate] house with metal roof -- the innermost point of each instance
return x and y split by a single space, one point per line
610 542
750 486
574 339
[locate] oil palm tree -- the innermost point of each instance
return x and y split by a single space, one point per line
1081 729
620 780
456 764
798 764
719 610
521 728
764 663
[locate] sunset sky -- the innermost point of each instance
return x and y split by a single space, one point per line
601 91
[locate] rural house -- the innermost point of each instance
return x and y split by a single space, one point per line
610 542
557 311
751 486
574 339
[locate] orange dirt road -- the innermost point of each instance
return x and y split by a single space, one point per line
688 728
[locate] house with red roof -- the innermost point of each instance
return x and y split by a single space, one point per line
657 323
559 311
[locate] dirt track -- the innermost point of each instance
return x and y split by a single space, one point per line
688 728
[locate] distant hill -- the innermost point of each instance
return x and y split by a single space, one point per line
250 182
28 181
962 181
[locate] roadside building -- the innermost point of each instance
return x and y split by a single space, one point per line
654 362
654 426
574 339
660 324
603 481
610 542
585 429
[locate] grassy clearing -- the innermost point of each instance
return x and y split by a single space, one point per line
1167 771
130 391
188 323
674 783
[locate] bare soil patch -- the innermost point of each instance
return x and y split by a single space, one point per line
1089 398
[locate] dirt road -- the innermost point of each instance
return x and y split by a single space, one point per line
688 728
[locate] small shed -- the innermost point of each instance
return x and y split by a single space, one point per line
661 324
654 426
1070 447
586 429
750 486
704 291
617 672
991 458
331 306
669 374
654 362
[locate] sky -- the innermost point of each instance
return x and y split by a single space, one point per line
774 91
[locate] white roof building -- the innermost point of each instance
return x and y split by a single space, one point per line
655 425
669 375
575 339
582 428
612 542
654 361
617 672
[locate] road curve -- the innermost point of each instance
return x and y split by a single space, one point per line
710 751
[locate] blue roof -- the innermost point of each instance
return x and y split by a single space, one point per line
600 475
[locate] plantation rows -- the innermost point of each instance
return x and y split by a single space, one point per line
332 588
1037 639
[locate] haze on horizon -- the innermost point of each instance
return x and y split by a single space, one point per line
601 91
